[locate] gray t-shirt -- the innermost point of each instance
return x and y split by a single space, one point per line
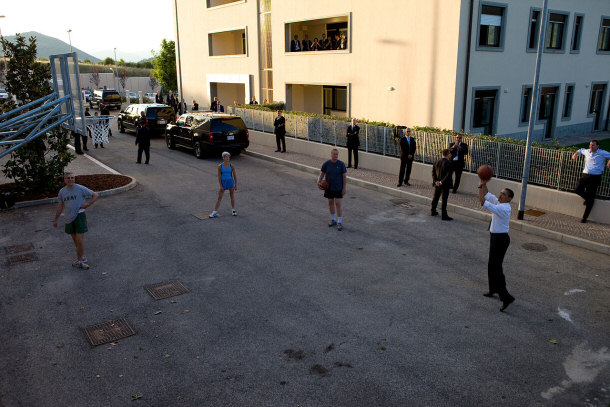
73 198
334 174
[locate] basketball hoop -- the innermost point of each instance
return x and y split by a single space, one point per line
99 127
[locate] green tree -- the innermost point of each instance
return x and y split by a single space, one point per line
38 165
108 61
164 65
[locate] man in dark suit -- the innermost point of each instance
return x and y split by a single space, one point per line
342 42
219 107
214 103
407 152
353 142
442 181
253 101
279 128
306 43
459 151
295 45
159 97
326 43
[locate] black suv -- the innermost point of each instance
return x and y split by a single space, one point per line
105 98
158 116
208 133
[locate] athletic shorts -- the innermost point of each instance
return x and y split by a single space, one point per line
333 194
78 225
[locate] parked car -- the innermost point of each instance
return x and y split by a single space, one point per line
209 133
133 95
87 95
158 116
105 98
4 94
151 97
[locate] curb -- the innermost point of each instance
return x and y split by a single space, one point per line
452 208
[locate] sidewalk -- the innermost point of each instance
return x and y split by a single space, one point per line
558 226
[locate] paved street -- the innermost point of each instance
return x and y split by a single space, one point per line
284 311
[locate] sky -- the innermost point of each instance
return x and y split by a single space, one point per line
134 27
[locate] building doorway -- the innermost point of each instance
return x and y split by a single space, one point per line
484 111
546 113
598 92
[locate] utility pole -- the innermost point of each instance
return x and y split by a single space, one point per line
533 109
178 53
70 39
116 71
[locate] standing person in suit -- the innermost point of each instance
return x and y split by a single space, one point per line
335 42
84 136
159 97
407 153
219 107
279 128
295 45
442 181
459 151
326 43
143 139
253 101
171 100
306 43
316 46
214 103
353 142
592 174
183 108
342 42
195 106
498 240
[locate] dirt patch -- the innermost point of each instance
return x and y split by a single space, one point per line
318 370
294 354
95 182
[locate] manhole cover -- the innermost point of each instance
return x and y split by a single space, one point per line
534 212
22 258
165 290
110 331
534 247
401 202
19 248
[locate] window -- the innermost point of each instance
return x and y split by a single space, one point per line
604 36
484 110
567 102
555 31
491 23
526 105
577 33
598 91
335 99
228 43
534 30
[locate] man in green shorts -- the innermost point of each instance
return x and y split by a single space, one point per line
72 199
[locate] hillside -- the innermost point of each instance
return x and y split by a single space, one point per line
51 46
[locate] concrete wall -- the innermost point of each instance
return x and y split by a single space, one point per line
537 197
229 92
514 67
306 98
134 84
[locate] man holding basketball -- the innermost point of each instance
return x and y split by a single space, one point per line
335 173
498 241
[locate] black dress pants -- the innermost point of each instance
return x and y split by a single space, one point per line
438 191
405 164
281 138
457 170
146 149
498 244
350 151
587 189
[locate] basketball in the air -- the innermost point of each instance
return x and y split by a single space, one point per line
324 185
485 172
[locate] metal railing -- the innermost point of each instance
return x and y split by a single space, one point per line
549 168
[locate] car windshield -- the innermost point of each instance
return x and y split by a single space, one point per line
228 125
162 112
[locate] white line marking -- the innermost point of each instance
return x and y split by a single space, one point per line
574 291
565 315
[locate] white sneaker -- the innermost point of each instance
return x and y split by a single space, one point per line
81 265
234 213
213 215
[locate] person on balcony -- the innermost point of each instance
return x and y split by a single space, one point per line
326 43
306 43
342 42
335 43
295 45
316 46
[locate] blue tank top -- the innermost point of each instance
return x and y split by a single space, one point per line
225 173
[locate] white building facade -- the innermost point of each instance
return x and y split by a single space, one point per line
454 64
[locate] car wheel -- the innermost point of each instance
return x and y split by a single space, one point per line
121 127
171 144
198 150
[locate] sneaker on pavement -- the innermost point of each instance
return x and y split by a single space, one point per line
339 226
234 213
332 223
82 265
213 215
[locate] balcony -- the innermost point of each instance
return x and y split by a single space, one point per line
220 3
228 43
332 34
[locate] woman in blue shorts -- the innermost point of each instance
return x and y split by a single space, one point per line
227 181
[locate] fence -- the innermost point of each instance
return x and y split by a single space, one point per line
548 167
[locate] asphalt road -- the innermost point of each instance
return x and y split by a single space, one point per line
285 311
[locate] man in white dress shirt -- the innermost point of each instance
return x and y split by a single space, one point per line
595 159
499 240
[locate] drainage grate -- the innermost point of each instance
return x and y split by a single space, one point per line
534 212
110 331
22 258
165 290
534 247
19 248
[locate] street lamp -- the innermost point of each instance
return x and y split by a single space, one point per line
116 70
70 39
